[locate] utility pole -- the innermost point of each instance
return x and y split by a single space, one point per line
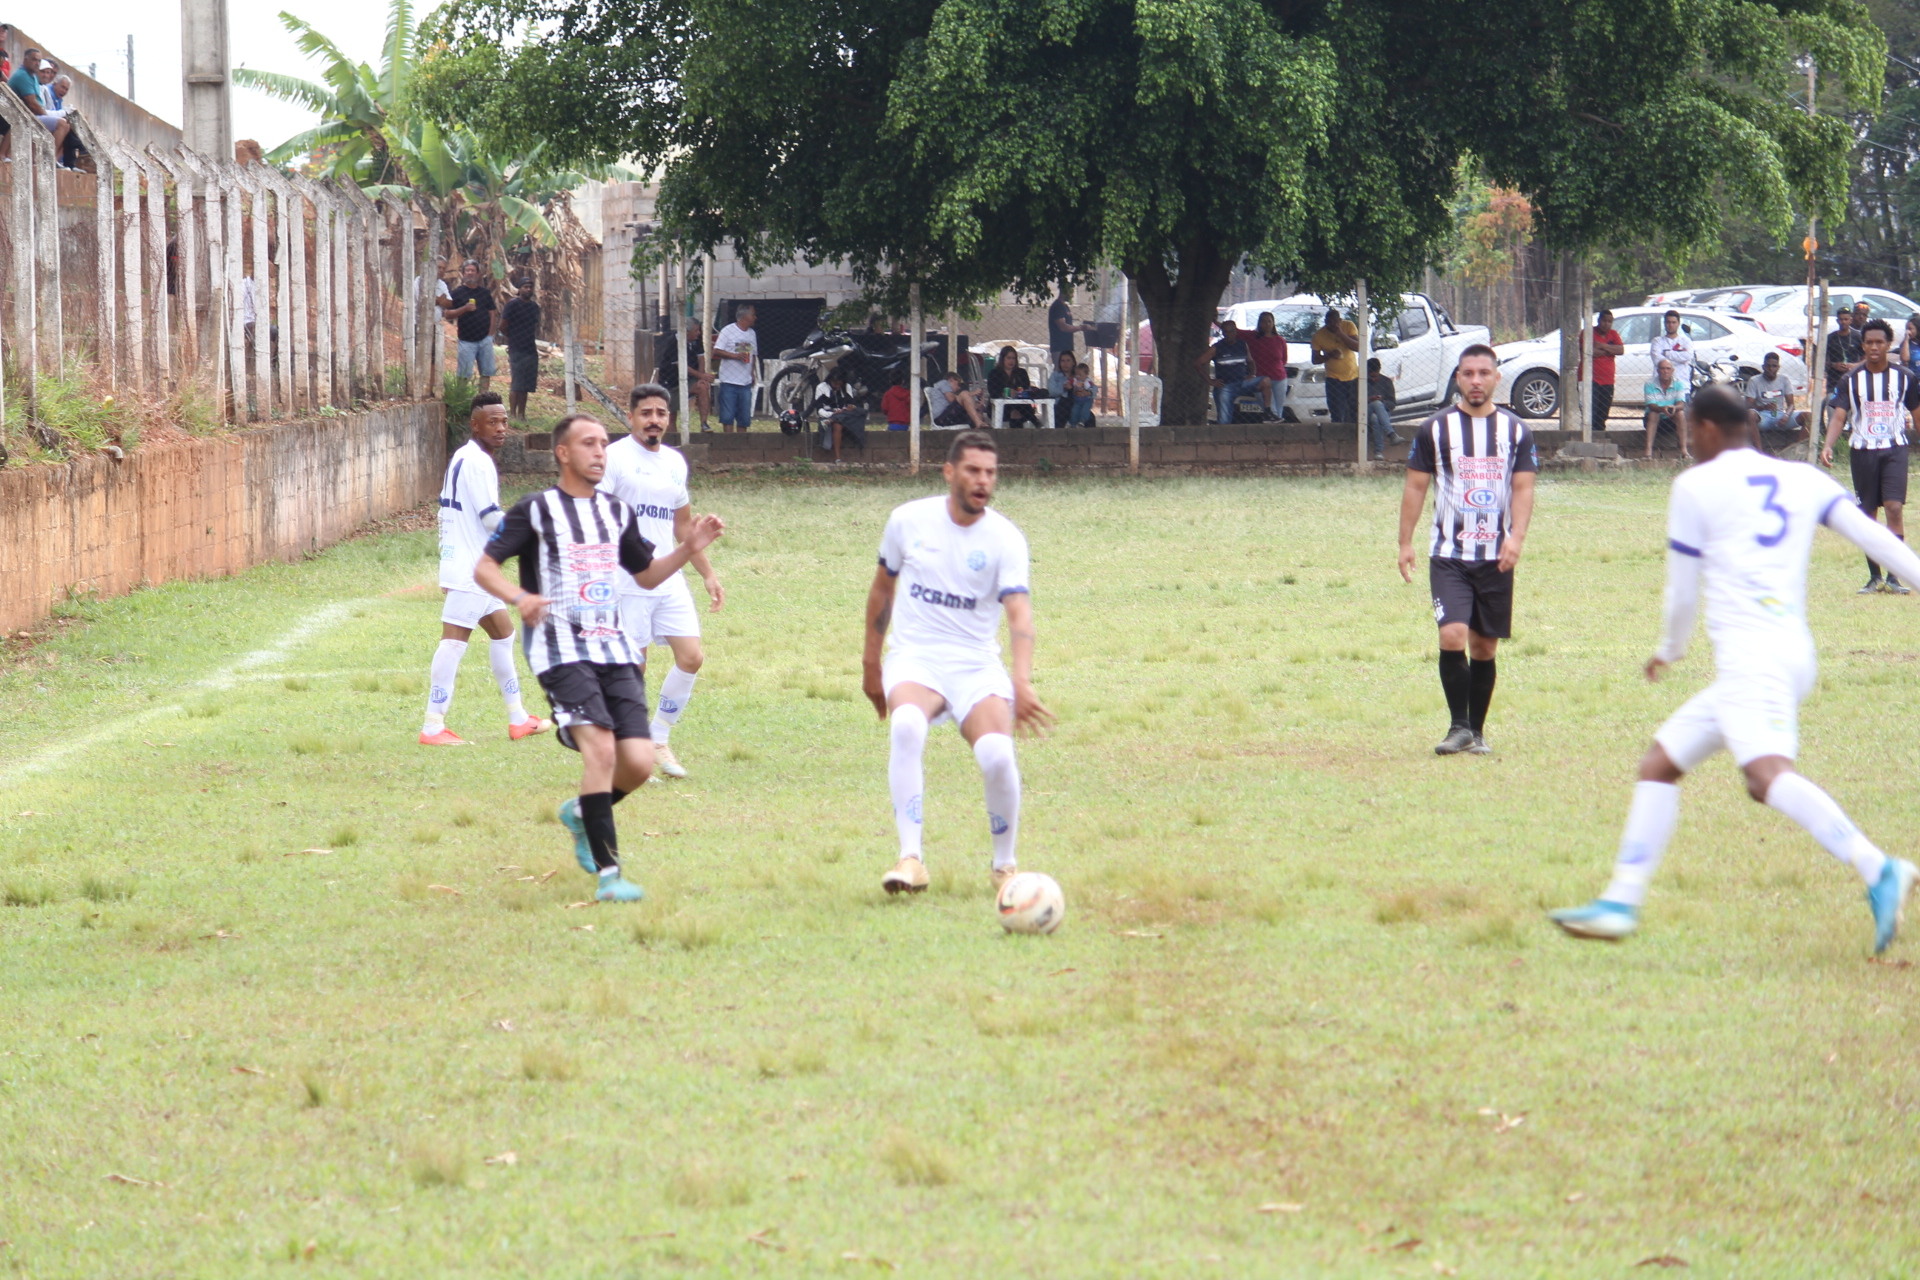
205 91
130 97
1816 311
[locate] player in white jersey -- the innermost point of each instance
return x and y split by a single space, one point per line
651 478
962 566
469 513
1745 522
1880 400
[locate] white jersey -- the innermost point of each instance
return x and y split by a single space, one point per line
952 578
470 491
1748 520
653 484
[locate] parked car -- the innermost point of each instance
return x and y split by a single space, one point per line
1743 299
1418 349
1530 370
1786 312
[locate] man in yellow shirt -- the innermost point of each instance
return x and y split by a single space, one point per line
1335 345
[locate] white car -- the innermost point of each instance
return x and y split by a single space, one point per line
1785 312
1530 370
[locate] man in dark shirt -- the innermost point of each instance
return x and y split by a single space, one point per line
1842 351
1233 374
475 320
1061 327
519 322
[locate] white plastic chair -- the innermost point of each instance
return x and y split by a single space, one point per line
1148 388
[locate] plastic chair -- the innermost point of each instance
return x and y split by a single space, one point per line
1148 388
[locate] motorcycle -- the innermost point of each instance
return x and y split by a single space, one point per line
872 362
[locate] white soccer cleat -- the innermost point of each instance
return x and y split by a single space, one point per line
1599 920
669 764
1000 876
909 875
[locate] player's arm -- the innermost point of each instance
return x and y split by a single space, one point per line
1680 606
879 618
492 579
701 532
1413 500
1029 713
682 522
1515 541
1845 518
1835 421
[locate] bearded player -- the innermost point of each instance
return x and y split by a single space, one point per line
1744 522
651 478
963 566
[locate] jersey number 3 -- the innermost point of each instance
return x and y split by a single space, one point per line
1772 486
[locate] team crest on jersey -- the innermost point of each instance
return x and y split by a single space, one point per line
1482 499
596 593
977 561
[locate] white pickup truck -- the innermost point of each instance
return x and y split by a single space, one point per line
1418 349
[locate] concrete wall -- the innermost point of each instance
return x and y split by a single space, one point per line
116 117
208 508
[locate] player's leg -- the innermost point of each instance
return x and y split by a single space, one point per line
499 628
676 614
988 728
1893 496
1453 610
1865 465
616 759
458 616
911 708
1492 622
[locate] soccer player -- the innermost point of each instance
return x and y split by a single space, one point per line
651 478
1745 521
1485 461
574 544
469 513
963 565
1879 399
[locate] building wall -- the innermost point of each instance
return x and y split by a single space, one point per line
211 507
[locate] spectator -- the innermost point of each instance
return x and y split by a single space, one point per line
1060 386
1664 398
1909 352
1269 352
1082 385
1382 400
1770 395
1061 327
897 405
1606 345
955 406
1841 351
1146 346
666 367
1676 346
30 89
519 323
1860 323
1233 374
475 322
1008 381
838 413
738 350
1335 345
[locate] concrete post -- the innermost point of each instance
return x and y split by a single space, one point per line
1363 322
1132 374
913 383
680 335
206 93
1570 327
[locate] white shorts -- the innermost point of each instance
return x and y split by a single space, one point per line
1752 715
965 681
466 608
651 619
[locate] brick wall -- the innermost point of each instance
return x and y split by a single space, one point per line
208 508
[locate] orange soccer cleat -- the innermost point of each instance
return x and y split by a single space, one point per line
444 738
528 727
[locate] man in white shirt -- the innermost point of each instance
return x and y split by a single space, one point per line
962 565
738 350
1744 522
651 477
469 513
1676 346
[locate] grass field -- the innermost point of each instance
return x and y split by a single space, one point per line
278 994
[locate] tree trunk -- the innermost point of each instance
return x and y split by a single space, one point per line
1181 309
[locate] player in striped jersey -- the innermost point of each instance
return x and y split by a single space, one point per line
1878 398
1744 522
575 544
469 513
1480 461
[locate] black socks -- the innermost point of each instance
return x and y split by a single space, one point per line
596 814
1454 682
1480 678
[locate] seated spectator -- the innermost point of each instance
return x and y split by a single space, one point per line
1060 386
955 406
28 87
1770 395
897 404
1233 374
1268 348
1382 400
1008 381
1082 387
1665 397
838 413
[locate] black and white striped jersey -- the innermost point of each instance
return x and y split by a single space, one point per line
575 552
1879 405
1472 461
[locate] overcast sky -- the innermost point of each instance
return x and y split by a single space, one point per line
96 31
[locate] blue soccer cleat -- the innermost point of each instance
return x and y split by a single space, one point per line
617 888
1600 920
582 851
1888 898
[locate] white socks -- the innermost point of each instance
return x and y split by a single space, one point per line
1826 822
446 665
1650 824
674 692
500 654
1001 776
905 777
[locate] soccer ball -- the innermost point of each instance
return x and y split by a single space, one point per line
1031 903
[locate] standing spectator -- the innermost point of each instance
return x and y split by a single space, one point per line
666 367
1908 352
1665 397
1336 345
838 413
953 405
519 323
897 404
1770 395
738 350
1007 380
1233 374
1841 352
1860 314
1675 346
1268 350
1606 345
1061 327
1382 400
475 321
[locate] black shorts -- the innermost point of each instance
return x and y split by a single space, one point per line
524 369
612 695
1879 476
1476 592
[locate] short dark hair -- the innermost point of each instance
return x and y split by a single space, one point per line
1671 315
485 400
1373 364
647 391
971 440
1721 407
1479 349
1604 314
1878 324
1771 355
564 427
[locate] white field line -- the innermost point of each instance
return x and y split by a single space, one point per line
224 678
